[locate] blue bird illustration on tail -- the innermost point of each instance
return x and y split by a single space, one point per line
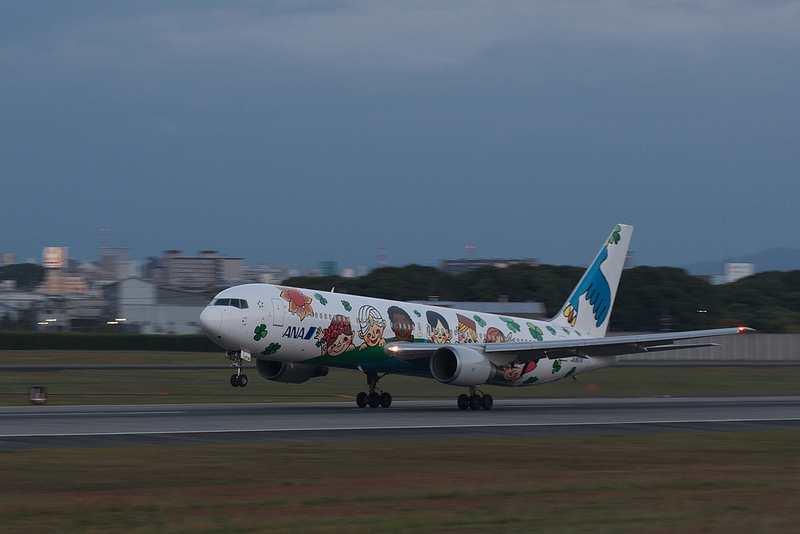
597 288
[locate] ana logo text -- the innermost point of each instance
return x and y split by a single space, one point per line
294 332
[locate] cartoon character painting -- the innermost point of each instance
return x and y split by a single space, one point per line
402 325
466 330
438 327
521 372
371 327
494 335
337 338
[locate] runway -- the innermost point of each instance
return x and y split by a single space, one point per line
188 424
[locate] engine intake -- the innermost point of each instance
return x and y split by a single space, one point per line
289 373
461 366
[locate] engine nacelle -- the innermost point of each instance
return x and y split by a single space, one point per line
461 366
290 373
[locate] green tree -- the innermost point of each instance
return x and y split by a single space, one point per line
26 275
768 302
648 299
662 298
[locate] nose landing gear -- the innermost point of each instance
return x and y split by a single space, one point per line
238 379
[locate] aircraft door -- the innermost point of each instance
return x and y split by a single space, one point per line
277 312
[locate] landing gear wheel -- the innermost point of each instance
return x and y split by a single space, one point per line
475 402
238 379
487 402
374 400
463 401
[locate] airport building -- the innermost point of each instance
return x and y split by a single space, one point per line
142 307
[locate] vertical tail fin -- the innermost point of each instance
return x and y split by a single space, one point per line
588 308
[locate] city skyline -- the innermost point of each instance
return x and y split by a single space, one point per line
777 258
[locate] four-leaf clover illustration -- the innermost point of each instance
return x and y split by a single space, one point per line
535 331
260 332
272 349
512 325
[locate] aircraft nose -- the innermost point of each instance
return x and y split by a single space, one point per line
211 320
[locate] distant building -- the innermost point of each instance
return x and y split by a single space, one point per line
7 258
328 268
115 264
269 275
731 272
463 265
69 313
58 283
204 271
144 308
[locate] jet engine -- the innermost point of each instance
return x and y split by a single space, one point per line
461 366
290 373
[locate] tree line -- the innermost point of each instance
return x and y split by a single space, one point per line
25 275
649 299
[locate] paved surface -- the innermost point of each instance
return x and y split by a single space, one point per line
182 424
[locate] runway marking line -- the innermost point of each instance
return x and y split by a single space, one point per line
410 427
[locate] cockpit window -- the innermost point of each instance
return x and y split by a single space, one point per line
236 303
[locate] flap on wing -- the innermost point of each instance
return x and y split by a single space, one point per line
609 346
658 348
568 348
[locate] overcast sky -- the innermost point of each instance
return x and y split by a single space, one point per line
302 132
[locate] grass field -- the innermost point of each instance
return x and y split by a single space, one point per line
193 386
722 482
726 483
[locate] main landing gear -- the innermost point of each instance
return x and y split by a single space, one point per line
475 401
373 399
238 379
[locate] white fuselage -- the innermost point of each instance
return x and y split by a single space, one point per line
285 324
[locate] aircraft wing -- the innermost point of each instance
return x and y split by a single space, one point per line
575 347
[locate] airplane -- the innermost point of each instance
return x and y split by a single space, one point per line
298 334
